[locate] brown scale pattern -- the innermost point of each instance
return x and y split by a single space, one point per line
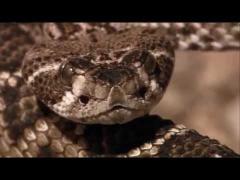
162 138
138 38
196 36
33 131
44 85
13 45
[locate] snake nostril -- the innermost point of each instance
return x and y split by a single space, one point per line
84 99
142 91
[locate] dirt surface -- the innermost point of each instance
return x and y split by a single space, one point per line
204 95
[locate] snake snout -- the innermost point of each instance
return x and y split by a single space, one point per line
117 97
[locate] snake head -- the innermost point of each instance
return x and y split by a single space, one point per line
113 80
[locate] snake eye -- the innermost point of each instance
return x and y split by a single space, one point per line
67 72
149 62
139 58
131 57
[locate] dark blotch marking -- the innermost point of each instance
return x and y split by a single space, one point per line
35 66
43 63
46 152
114 75
187 30
194 46
38 59
104 56
29 71
40 80
80 63
17 127
93 38
10 94
57 60
18 119
12 113
131 57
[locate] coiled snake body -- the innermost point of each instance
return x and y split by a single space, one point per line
57 78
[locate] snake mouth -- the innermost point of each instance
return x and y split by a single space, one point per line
121 107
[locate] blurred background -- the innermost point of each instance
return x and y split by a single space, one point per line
204 95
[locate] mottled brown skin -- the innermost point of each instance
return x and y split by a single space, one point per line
129 69
29 129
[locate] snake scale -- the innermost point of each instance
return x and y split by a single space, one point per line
86 89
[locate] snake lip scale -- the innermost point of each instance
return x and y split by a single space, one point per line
86 89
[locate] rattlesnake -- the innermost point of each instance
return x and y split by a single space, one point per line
57 78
